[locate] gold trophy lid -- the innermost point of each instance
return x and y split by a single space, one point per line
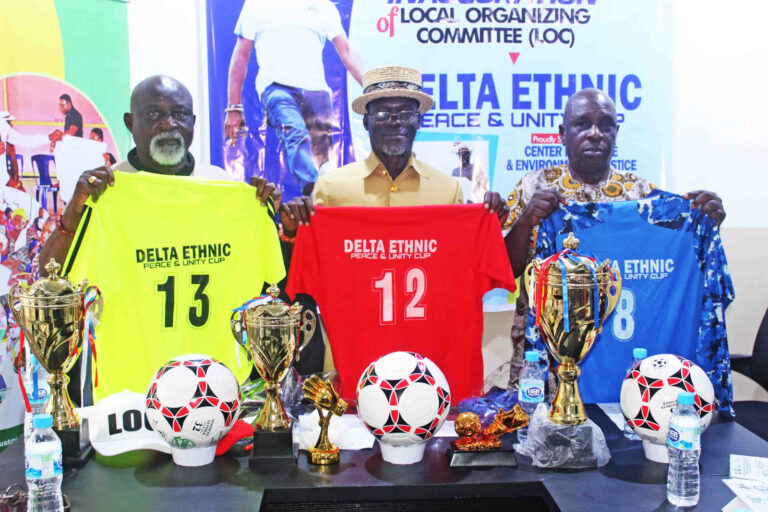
575 263
54 285
275 310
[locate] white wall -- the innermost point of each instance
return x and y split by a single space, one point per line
721 106
169 37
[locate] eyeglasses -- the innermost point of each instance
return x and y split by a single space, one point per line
177 114
406 116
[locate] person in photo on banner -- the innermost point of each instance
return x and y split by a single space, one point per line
473 173
289 37
161 121
391 105
588 133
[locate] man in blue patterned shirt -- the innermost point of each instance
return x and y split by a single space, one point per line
588 133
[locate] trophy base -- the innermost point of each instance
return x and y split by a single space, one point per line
502 457
271 446
323 457
551 445
76 450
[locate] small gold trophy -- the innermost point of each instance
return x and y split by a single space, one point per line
52 314
322 393
272 330
572 295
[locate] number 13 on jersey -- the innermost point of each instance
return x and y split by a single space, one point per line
190 298
413 290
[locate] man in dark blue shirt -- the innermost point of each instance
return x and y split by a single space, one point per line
73 120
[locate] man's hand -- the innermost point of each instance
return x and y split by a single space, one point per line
495 204
295 213
265 190
92 184
234 126
710 203
543 203
55 136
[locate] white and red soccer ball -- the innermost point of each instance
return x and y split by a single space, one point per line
403 398
192 402
649 394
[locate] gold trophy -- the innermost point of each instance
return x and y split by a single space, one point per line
52 314
322 393
272 331
573 295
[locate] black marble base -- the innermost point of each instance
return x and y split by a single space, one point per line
500 457
269 446
76 449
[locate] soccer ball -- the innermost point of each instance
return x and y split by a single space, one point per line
649 394
192 402
403 398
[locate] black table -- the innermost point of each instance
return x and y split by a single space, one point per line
362 481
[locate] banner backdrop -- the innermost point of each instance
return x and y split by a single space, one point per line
500 73
75 49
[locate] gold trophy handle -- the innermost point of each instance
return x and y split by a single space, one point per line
530 270
613 298
97 305
13 297
307 328
236 323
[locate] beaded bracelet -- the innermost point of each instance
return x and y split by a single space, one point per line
63 231
283 236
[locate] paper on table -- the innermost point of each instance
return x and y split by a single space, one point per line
446 430
613 411
736 505
73 156
751 468
347 432
754 493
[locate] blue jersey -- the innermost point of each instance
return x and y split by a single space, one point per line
676 286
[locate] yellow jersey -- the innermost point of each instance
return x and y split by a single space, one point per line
172 256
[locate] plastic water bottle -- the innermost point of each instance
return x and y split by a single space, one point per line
684 447
36 383
43 467
531 392
638 354
38 407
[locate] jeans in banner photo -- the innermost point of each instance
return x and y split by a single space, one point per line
303 121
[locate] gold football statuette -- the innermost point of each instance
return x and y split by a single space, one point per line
573 295
322 393
467 426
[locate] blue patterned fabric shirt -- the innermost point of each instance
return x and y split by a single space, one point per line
676 287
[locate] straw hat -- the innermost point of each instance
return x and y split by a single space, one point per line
391 82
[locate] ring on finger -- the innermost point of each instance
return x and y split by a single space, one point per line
91 179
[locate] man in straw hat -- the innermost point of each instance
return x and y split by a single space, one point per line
391 106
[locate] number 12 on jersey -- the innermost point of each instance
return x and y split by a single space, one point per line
414 288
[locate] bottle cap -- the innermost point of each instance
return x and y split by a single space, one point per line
639 353
42 421
685 398
531 355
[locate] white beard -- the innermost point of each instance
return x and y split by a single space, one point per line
170 154
394 149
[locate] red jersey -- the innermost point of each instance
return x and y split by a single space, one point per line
403 278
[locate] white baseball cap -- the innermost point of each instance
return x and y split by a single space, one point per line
117 424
